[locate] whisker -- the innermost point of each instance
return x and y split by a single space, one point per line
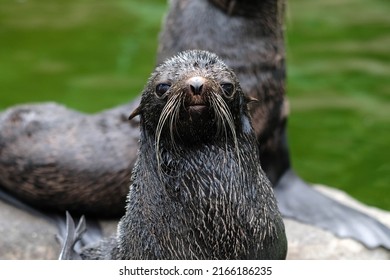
221 129
173 120
165 114
226 117
168 113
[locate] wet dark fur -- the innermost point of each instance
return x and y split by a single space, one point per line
202 194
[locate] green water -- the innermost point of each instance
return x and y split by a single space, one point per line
95 54
339 88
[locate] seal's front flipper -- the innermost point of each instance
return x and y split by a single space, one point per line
72 236
299 201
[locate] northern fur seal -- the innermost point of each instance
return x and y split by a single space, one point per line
198 190
248 36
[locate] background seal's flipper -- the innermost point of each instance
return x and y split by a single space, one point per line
301 202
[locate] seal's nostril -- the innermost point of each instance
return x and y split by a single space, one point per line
196 85
196 89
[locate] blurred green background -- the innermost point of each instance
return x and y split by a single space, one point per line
94 54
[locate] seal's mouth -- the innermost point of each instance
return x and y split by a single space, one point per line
196 104
197 110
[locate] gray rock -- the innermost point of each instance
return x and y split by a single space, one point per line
26 237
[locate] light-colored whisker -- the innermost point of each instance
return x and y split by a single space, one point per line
174 119
168 113
226 117
221 128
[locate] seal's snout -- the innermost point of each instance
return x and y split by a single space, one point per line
196 85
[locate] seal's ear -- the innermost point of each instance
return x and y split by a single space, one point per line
135 113
247 101
250 99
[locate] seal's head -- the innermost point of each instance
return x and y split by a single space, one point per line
191 98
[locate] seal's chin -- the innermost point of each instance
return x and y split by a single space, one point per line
198 113
197 109
194 123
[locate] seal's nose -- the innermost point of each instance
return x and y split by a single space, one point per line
196 84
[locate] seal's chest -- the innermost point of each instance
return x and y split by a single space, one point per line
221 232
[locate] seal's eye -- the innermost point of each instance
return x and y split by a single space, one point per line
162 88
228 89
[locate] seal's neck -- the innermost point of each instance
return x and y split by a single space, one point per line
252 8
